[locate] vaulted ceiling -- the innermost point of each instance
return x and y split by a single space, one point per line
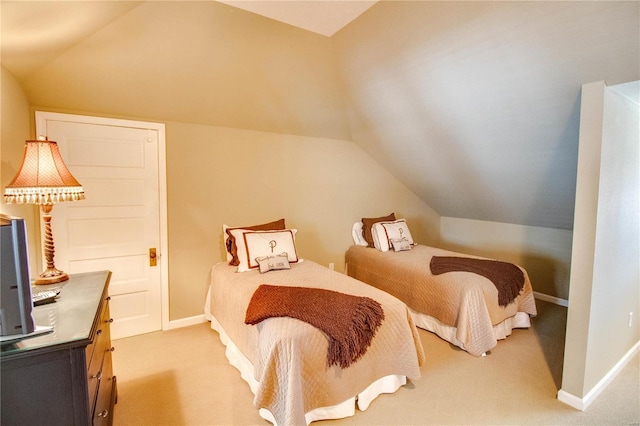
472 105
476 105
35 32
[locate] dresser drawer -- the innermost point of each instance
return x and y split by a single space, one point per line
103 412
97 357
105 319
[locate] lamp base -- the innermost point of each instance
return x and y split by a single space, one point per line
51 276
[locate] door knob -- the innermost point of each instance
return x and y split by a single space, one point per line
152 257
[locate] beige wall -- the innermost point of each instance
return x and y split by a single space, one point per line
15 128
605 271
544 252
220 175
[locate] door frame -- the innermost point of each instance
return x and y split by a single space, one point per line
41 118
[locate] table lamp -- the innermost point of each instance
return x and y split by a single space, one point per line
44 179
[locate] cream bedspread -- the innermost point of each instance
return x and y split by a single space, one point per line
464 300
290 356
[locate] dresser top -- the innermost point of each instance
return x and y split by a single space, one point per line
72 315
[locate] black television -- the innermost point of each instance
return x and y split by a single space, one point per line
16 305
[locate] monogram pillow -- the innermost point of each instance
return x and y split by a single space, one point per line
253 244
230 241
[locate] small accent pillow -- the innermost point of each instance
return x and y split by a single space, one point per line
356 234
273 263
368 222
253 244
383 232
230 241
400 244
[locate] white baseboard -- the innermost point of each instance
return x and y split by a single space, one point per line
582 403
186 322
551 299
571 400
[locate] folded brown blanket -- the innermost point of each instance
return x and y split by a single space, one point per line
350 322
507 277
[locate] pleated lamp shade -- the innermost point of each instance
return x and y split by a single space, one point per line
43 177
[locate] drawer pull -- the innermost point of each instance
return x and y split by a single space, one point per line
108 298
109 320
104 413
99 332
111 349
97 376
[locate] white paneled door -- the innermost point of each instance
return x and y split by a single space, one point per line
122 221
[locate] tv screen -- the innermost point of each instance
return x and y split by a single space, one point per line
15 284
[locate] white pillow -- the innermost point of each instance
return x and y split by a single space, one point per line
356 234
382 232
253 244
274 225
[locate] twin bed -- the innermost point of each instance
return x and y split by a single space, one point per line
285 360
313 343
460 307
469 301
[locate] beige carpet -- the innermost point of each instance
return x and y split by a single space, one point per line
181 377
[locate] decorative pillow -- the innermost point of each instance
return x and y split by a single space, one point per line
230 241
253 244
400 244
368 222
356 234
383 232
273 263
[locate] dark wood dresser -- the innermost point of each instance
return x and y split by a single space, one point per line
64 377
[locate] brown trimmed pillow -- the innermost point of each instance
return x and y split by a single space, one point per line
230 241
368 222
252 244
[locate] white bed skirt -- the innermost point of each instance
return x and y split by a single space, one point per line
448 333
388 384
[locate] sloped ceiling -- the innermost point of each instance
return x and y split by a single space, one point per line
473 105
321 17
476 106
35 32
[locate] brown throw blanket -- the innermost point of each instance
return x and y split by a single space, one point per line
350 322
507 277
